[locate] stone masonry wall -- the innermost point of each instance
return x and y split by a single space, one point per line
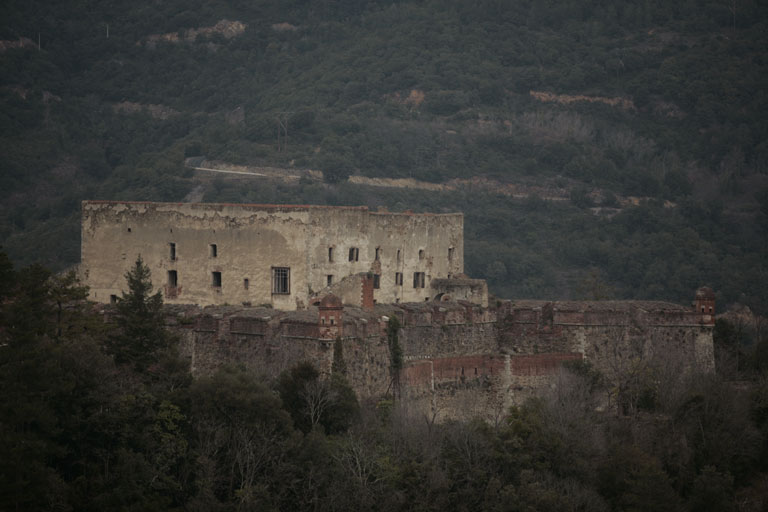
460 359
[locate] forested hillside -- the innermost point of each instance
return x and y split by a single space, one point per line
647 118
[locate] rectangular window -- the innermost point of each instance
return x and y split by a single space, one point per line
330 254
450 254
378 253
354 253
216 279
281 280
329 279
173 278
246 283
376 281
172 251
398 278
418 279
214 250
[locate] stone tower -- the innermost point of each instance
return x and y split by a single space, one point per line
705 305
330 317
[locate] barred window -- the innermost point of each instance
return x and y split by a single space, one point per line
281 280
376 281
418 279
354 254
399 278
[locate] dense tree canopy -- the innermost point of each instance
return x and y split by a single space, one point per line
81 431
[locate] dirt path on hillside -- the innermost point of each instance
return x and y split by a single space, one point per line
545 191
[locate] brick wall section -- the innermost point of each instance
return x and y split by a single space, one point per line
367 292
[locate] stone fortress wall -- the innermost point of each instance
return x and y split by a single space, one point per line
304 276
273 255
461 359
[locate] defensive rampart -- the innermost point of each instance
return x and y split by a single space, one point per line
459 358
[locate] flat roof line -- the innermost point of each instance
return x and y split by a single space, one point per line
263 206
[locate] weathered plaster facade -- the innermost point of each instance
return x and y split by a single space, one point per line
280 256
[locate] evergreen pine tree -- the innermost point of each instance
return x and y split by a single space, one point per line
141 336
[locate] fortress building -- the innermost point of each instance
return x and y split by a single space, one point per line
281 256
279 285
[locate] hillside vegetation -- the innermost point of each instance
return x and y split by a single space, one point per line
665 102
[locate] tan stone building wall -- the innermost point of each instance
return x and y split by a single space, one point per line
265 254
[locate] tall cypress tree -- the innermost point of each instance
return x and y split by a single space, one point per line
141 336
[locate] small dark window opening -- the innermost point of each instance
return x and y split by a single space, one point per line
129 230
173 278
702 309
354 254
329 279
281 280
113 299
450 254
330 254
378 253
421 254
214 251
418 280
322 320
333 321
399 278
710 310
216 279
398 255
376 281
246 283
172 251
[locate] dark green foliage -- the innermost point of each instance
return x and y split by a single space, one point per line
82 433
241 434
635 481
141 336
315 402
